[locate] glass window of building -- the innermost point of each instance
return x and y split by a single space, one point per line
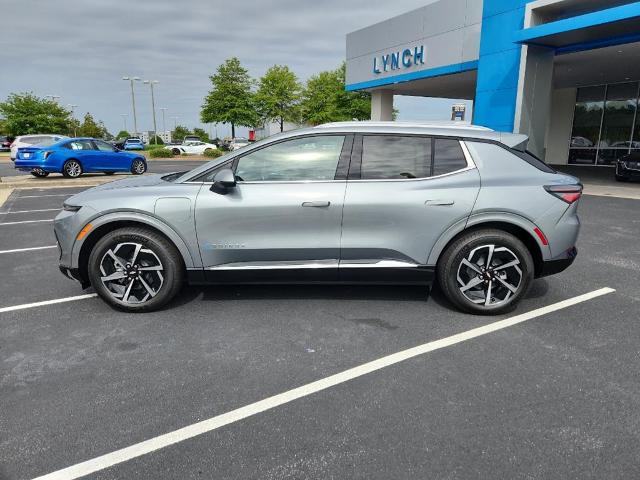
617 122
587 119
605 124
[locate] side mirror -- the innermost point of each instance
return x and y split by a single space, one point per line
223 180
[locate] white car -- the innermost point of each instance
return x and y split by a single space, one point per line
191 148
237 143
30 140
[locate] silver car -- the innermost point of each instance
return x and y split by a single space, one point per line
363 202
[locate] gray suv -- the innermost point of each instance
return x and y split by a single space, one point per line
363 202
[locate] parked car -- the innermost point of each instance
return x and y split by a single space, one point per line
5 143
628 167
464 206
191 148
237 143
28 140
133 144
74 156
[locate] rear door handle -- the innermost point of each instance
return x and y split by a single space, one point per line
316 204
442 202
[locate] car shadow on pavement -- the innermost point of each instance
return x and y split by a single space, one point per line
410 293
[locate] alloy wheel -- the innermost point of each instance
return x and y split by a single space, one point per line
73 169
490 275
131 273
138 167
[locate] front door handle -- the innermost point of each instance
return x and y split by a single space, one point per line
439 202
316 204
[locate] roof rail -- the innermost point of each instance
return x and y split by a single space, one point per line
401 124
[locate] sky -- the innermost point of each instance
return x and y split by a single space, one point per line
81 49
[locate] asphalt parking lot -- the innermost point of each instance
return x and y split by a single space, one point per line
554 396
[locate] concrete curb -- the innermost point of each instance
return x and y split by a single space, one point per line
28 181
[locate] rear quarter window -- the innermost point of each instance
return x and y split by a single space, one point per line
447 156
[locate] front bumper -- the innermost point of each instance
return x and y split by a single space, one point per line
624 172
560 264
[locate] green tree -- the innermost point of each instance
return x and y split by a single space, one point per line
204 136
278 96
325 100
90 128
180 132
26 113
230 99
123 134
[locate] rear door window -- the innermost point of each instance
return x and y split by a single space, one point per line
448 156
386 157
80 145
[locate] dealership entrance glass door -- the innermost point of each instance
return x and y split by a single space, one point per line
605 124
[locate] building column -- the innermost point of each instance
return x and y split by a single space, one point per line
382 105
533 103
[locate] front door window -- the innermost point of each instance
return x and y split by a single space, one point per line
303 159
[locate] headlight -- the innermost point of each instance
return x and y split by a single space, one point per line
70 208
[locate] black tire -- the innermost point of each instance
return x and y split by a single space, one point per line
163 251
38 172
138 166
109 173
72 168
176 151
454 275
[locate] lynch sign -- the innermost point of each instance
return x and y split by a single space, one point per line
399 60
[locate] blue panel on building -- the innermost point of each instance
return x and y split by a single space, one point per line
499 64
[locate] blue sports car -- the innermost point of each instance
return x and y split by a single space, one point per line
74 156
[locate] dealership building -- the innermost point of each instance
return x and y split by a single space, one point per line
564 72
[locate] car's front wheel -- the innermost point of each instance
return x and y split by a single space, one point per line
40 173
135 269
486 272
138 166
72 169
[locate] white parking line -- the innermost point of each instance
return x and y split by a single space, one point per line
34 211
47 195
47 302
27 221
16 250
190 431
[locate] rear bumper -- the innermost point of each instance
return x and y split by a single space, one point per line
29 165
560 264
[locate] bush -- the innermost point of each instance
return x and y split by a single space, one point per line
213 153
161 153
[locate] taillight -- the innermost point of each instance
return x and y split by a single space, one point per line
566 193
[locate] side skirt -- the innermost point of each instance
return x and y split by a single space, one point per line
419 275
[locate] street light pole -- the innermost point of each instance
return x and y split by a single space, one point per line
164 126
153 108
72 107
124 118
133 102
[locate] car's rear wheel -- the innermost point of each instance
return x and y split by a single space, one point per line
72 169
486 272
40 173
135 269
176 151
138 166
